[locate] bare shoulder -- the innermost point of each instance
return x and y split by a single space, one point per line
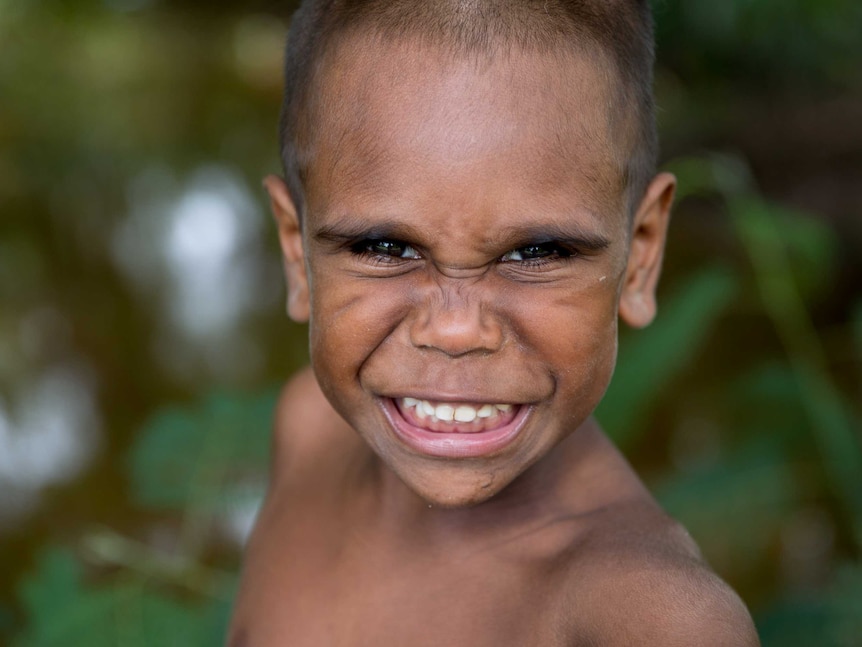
307 428
644 582
311 443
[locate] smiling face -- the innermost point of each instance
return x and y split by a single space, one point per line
465 254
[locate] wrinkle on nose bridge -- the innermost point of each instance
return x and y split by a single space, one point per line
460 286
456 293
460 272
454 314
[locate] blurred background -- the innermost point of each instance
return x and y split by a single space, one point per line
143 335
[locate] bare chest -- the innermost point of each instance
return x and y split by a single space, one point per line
313 583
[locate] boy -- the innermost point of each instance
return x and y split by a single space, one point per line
469 205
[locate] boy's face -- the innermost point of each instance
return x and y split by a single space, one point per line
465 256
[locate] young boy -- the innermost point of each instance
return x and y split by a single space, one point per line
469 206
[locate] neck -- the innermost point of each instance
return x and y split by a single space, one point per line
571 480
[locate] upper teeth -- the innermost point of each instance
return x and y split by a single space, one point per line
457 412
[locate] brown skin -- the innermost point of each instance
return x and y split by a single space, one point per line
550 540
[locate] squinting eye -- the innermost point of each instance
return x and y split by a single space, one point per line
533 253
391 248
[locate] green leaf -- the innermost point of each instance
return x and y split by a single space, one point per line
650 359
187 456
62 610
163 458
827 619
857 328
832 424
52 589
766 401
810 247
711 174
734 509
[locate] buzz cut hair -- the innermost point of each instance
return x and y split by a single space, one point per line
617 34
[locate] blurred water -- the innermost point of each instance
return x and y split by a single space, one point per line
137 265
48 435
196 250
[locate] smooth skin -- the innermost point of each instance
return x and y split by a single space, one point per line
467 240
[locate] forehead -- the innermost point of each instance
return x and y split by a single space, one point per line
396 117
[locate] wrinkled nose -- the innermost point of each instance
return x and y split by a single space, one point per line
456 326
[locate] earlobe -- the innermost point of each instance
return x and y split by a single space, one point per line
290 239
648 235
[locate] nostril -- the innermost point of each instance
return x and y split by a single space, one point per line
456 331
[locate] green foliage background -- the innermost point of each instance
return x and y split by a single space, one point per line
740 405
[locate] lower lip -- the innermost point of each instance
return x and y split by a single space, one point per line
454 445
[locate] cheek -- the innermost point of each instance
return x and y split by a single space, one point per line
574 334
351 316
565 318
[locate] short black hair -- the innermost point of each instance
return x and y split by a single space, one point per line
620 30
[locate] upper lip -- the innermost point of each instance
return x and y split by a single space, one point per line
460 398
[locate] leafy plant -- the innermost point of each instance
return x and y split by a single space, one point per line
832 618
652 358
127 610
115 590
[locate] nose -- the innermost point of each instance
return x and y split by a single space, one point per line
455 325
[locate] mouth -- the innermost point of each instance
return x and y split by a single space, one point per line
455 429
455 417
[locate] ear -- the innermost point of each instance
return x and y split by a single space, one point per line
648 235
290 237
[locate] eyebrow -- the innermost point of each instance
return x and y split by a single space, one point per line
352 228
570 235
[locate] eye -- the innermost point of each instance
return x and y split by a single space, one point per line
386 248
535 253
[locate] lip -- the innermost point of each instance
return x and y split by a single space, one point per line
443 444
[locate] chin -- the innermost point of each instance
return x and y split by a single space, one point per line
457 502
456 491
